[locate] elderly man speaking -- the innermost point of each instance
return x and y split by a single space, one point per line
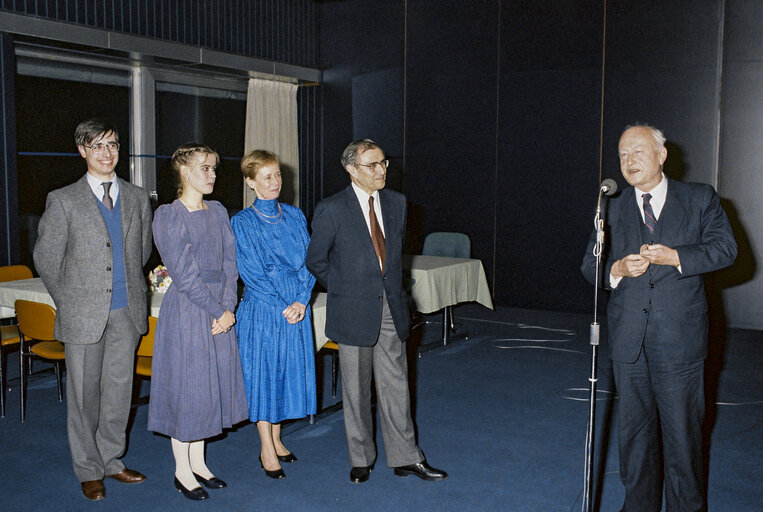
664 236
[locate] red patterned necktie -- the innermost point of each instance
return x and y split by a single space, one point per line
649 218
376 233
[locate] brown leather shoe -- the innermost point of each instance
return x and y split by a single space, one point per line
128 476
94 490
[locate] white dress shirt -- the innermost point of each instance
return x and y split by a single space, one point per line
659 195
97 188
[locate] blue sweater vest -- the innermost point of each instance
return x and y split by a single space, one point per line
113 219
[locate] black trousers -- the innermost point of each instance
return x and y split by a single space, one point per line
661 410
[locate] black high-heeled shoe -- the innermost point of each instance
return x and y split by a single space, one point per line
193 494
212 483
277 474
289 457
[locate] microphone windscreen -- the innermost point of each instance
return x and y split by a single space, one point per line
609 186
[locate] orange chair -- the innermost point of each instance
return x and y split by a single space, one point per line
15 273
9 334
36 323
144 358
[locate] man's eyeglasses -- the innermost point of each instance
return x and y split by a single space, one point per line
100 147
372 166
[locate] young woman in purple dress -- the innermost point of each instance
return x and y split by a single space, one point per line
197 387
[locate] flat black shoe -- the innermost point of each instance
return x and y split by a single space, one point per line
360 474
421 470
212 483
194 494
287 458
277 474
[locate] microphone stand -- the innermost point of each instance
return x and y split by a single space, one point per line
594 341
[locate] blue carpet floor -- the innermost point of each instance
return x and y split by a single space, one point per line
504 412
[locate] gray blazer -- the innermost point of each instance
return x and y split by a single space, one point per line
73 257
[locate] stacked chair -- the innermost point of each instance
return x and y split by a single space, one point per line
9 334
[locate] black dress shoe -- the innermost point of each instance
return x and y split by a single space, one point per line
421 470
212 483
277 474
360 474
194 494
287 458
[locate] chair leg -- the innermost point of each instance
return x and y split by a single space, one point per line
2 382
59 371
22 377
334 368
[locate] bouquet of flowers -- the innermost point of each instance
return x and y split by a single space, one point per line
159 279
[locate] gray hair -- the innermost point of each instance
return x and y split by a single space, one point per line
354 149
659 137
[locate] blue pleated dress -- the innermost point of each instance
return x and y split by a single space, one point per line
277 358
197 386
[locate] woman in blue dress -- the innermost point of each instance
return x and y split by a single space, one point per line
197 387
274 327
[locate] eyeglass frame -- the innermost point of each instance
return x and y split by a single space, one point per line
112 146
372 166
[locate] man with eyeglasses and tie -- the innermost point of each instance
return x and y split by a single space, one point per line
664 236
93 240
356 254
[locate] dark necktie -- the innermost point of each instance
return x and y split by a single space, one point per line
107 202
649 218
376 233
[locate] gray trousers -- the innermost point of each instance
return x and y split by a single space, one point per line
98 392
386 362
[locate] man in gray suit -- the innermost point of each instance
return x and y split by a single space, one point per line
356 252
93 240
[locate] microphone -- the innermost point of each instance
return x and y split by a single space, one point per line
608 186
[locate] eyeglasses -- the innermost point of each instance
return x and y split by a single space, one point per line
372 166
100 147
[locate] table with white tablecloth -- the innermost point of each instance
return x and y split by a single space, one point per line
437 282
34 290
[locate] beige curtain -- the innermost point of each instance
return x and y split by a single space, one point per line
271 124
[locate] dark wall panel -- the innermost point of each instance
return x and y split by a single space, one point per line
663 68
451 121
503 120
362 55
741 170
548 150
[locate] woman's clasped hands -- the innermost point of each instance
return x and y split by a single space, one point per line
223 324
294 313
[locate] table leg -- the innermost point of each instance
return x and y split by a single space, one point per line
445 325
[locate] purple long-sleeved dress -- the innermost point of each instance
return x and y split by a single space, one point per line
197 387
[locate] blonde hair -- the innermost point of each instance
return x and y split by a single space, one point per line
184 155
255 160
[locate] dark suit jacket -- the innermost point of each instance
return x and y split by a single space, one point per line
674 303
341 256
73 257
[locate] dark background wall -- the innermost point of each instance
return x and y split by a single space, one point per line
491 112
506 117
